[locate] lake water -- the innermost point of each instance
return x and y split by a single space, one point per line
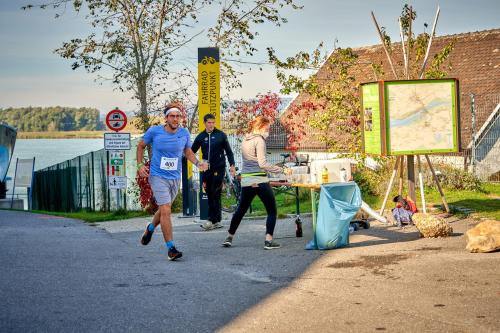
48 152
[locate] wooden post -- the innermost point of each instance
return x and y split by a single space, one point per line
411 177
421 75
421 183
403 46
401 173
437 184
389 187
385 47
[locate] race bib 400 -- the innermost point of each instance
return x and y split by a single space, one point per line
169 164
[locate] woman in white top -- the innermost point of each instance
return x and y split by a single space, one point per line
254 180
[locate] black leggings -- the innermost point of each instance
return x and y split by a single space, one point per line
213 187
248 193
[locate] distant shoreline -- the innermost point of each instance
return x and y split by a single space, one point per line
61 135
64 135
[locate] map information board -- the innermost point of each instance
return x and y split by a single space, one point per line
371 119
421 117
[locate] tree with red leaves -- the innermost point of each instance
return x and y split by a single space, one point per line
244 112
294 124
267 105
146 193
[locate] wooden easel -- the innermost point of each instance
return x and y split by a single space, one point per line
399 165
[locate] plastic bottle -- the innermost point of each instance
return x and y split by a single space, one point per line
343 175
324 175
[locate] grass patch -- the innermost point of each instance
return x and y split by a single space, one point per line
285 204
484 203
92 217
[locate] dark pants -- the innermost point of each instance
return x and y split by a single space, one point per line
213 187
248 193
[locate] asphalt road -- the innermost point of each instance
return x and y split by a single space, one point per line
62 275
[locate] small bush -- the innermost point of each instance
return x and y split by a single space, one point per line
453 178
374 182
304 194
177 204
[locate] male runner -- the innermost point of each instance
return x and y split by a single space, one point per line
169 142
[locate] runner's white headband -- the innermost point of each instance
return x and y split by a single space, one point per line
169 111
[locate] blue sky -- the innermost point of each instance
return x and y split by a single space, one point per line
31 74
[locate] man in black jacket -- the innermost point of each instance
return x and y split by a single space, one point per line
213 143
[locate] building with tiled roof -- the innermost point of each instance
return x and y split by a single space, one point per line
475 62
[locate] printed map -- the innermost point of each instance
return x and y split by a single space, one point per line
420 116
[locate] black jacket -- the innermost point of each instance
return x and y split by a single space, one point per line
214 144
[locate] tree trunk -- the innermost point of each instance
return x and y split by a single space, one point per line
143 100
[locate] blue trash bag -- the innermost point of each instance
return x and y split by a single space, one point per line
338 203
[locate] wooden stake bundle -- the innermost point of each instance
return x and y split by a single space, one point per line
437 184
384 46
403 45
389 187
421 75
400 159
421 183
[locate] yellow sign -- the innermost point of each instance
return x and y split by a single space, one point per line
208 85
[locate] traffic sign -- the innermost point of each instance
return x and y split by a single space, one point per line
116 120
116 158
117 141
117 182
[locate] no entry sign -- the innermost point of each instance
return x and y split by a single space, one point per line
116 120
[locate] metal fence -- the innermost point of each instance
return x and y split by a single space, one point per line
479 136
483 148
81 184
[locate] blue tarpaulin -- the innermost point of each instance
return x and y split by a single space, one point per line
338 203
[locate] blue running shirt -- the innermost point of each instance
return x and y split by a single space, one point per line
168 149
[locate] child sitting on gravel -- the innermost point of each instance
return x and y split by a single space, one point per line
403 211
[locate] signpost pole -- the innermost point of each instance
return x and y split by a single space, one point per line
188 192
115 144
108 192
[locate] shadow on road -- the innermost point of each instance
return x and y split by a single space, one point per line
62 274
